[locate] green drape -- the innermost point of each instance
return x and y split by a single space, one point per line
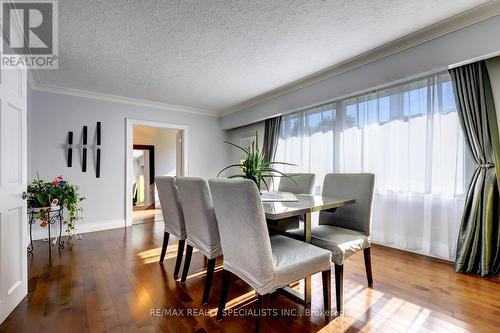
271 135
478 248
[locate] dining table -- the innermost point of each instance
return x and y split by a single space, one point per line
289 206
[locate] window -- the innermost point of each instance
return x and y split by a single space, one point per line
408 136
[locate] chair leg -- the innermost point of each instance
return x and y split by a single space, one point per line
224 291
327 294
339 288
166 235
187 262
180 253
368 266
208 280
261 300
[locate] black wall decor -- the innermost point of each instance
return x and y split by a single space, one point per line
70 149
98 157
84 157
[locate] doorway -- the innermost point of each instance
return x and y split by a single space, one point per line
153 149
143 187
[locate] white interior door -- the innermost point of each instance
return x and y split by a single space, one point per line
13 179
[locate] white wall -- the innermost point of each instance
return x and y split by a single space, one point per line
53 115
474 41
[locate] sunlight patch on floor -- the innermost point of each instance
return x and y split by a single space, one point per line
202 273
235 302
364 314
153 255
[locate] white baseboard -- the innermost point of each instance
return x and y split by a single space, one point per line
81 228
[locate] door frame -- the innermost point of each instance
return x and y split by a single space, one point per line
151 150
129 143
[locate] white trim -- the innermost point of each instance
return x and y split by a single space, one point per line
129 149
118 99
460 21
81 228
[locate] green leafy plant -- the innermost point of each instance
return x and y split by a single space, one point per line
47 194
254 166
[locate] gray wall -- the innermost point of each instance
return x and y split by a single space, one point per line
494 71
53 115
234 136
468 43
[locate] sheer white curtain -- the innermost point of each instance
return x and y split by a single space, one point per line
410 138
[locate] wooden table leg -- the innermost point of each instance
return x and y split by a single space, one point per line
307 239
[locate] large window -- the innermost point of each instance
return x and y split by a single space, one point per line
408 136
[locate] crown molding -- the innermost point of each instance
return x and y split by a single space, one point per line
457 22
34 85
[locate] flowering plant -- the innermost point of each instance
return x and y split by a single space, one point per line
48 194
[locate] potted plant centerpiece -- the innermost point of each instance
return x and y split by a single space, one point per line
254 166
46 196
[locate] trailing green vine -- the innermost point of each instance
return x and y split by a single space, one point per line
47 194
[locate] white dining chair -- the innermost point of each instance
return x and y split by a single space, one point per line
265 262
346 230
173 218
298 183
201 226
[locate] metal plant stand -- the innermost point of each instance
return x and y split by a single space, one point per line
55 215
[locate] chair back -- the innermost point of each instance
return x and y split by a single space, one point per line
243 230
358 186
199 215
171 206
302 183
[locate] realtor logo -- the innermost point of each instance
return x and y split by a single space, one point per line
30 34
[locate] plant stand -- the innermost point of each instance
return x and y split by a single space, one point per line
55 215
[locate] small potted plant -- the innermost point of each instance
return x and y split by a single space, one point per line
254 166
47 196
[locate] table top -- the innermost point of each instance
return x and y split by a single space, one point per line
306 204
276 196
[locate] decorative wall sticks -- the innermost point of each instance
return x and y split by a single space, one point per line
98 157
84 157
70 149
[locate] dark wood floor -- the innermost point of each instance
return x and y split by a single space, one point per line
111 281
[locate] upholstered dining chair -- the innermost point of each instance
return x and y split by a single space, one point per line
300 183
201 226
346 230
264 262
172 216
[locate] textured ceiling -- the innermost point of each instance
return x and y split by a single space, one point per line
215 54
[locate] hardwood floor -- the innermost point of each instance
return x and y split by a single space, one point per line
146 216
111 281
